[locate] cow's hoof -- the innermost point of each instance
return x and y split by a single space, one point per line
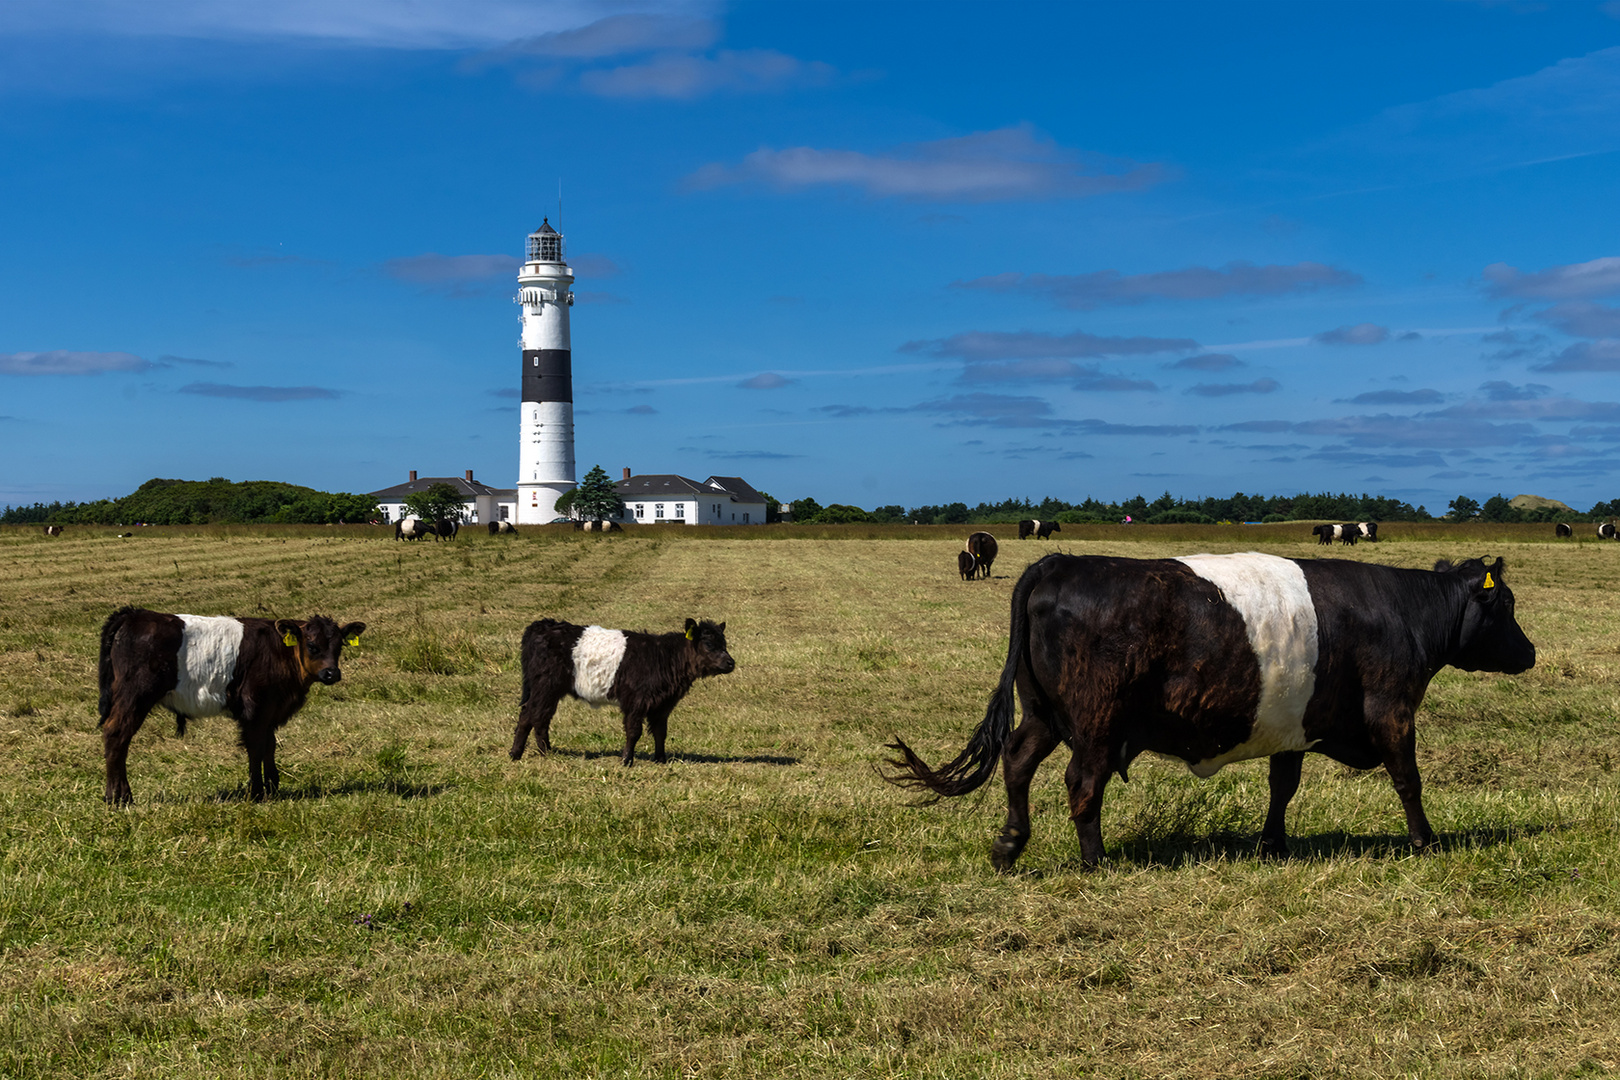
1273 849
515 754
1004 854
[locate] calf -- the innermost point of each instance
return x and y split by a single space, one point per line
646 675
258 670
498 528
411 529
983 547
1213 659
967 565
1323 534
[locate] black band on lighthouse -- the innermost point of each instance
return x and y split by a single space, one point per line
548 375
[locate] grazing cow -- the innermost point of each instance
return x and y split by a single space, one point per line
53 530
983 547
1323 534
1605 530
498 528
258 670
646 675
598 525
1039 529
445 528
1563 529
411 528
1368 530
1220 658
967 565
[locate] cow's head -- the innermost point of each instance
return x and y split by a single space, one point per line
1490 638
709 647
319 642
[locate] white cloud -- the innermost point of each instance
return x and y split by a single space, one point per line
687 76
1014 163
69 362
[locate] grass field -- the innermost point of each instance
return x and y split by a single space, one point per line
418 904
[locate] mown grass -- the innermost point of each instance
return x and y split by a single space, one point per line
763 905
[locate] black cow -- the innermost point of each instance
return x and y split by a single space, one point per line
497 528
1220 658
53 530
966 565
1323 534
1348 533
983 547
445 528
1563 529
411 529
1605 530
646 675
258 670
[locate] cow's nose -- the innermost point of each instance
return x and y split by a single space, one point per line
330 675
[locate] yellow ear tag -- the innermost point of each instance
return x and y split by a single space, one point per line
1489 584
288 640
689 635
352 641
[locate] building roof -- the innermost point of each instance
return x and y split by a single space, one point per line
672 486
468 489
545 229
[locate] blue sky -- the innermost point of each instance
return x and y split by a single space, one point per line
876 253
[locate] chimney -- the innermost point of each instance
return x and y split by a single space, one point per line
413 475
627 472
469 475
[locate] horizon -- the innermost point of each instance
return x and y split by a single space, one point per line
888 255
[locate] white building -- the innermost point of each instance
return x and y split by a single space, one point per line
482 503
546 415
668 499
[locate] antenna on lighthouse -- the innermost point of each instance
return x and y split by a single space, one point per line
559 204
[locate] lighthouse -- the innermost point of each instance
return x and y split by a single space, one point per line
546 434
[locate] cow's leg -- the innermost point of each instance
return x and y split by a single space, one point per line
658 726
1031 742
632 732
253 743
123 721
534 714
272 775
1284 781
1087 776
1396 738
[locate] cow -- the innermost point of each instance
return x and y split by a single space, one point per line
1605 530
258 670
1039 529
1368 531
1026 529
498 528
53 530
598 525
967 565
1348 533
1323 534
445 528
411 528
645 675
1214 659
1562 529
983 547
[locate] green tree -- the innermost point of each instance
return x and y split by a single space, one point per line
805 510
564 506
439 501
596 497
1462 508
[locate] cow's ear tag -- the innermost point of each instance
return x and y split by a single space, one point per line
1489 584
352 641
288 640
689 635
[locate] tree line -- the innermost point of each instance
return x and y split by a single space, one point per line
1167 509
204 502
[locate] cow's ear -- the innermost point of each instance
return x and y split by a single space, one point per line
722 628
1442 565
290 629
691 629
351 633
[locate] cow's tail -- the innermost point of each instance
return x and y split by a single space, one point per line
977 762
104 671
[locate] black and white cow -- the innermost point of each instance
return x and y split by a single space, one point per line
53 530
1368 530
1038 529
966 565
646 675
598 525
258 670
1605 530
1214 659
411 528
983 548
499 528
1348 533
1562 529
445 528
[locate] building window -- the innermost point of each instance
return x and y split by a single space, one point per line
680 510
745 517
641 510
503 511
658 510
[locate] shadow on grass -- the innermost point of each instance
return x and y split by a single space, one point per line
696 759
375 785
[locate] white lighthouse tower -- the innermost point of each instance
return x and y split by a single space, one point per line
546 436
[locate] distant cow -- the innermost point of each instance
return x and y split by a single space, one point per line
1323 534
1348 533
646 675
598 525
411 528
258 670
497 528
983 547
445 528
1214 659
1605 530
1369 531
966 565
1563 529
53 530
1039 529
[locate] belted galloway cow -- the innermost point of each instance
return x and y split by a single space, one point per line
1213 659
258 670
983 547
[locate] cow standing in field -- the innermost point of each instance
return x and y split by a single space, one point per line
411 528
983 548
1323 534
445 528
1348 533
1038 529
501 528
258 670
966 565
646 675
1213 659
598 525
1605 530
53 530
1368 531
1562 529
